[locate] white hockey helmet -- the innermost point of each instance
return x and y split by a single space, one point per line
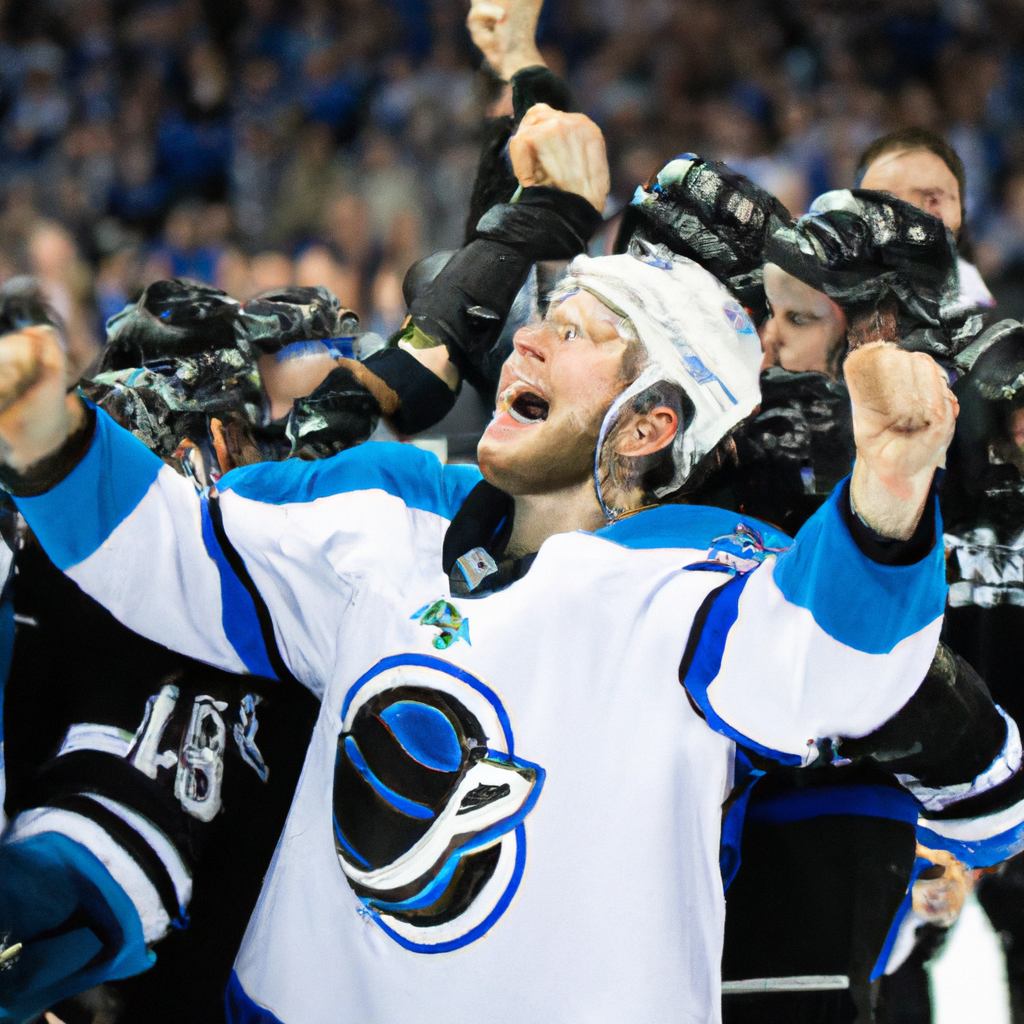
698 340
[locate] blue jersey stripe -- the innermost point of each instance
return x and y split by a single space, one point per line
238 613
862 604
685 526
731 844
241 1009
920 864
707 661
976 853
99 494
865 801
415 476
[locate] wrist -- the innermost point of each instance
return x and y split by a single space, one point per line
878 506
518 60
545 223
36 470
28 437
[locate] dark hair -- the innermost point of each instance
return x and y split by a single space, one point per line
907 139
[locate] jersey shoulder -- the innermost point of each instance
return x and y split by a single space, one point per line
695 528
415 476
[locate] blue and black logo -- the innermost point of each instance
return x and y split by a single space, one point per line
429 802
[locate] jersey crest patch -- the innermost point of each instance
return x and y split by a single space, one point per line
448 619
429 802
743 550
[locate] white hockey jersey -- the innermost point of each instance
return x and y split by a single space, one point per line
510 809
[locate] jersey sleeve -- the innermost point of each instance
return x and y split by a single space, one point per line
824 656
308 536
960 756
818 641
129 531
228 578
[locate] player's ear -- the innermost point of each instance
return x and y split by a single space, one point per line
649 432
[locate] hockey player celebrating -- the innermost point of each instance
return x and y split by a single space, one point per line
510 806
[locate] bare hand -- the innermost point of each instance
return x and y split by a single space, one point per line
36 412
565 151
505 33
903 420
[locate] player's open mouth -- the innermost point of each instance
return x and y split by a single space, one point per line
522 403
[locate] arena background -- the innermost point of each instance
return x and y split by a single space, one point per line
334 141
253 143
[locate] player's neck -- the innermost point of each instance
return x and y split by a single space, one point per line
539 516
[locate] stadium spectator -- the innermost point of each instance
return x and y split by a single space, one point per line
278 109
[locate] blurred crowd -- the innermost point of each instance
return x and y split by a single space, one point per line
302 158
252 144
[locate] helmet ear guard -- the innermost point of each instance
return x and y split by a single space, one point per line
626 481
703 358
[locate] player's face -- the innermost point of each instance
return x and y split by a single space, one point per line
807 330
919 177
555 388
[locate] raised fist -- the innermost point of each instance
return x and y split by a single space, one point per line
36 412
565 151
903 420
505 33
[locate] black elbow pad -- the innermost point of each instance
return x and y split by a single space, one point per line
949 732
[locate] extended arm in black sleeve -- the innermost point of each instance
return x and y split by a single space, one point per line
466 305
960 756
495 183
947 734
949 745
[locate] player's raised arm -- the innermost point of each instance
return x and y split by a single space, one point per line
561 164
206 573
505 33
828 652
833 636
126 527
903 419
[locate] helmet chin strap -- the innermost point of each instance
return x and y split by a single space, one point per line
606 424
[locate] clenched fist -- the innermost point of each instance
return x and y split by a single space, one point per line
565 151
903 420
36 412
504 31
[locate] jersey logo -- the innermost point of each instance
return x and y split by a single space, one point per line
743 550
738 318
429 802
448 619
